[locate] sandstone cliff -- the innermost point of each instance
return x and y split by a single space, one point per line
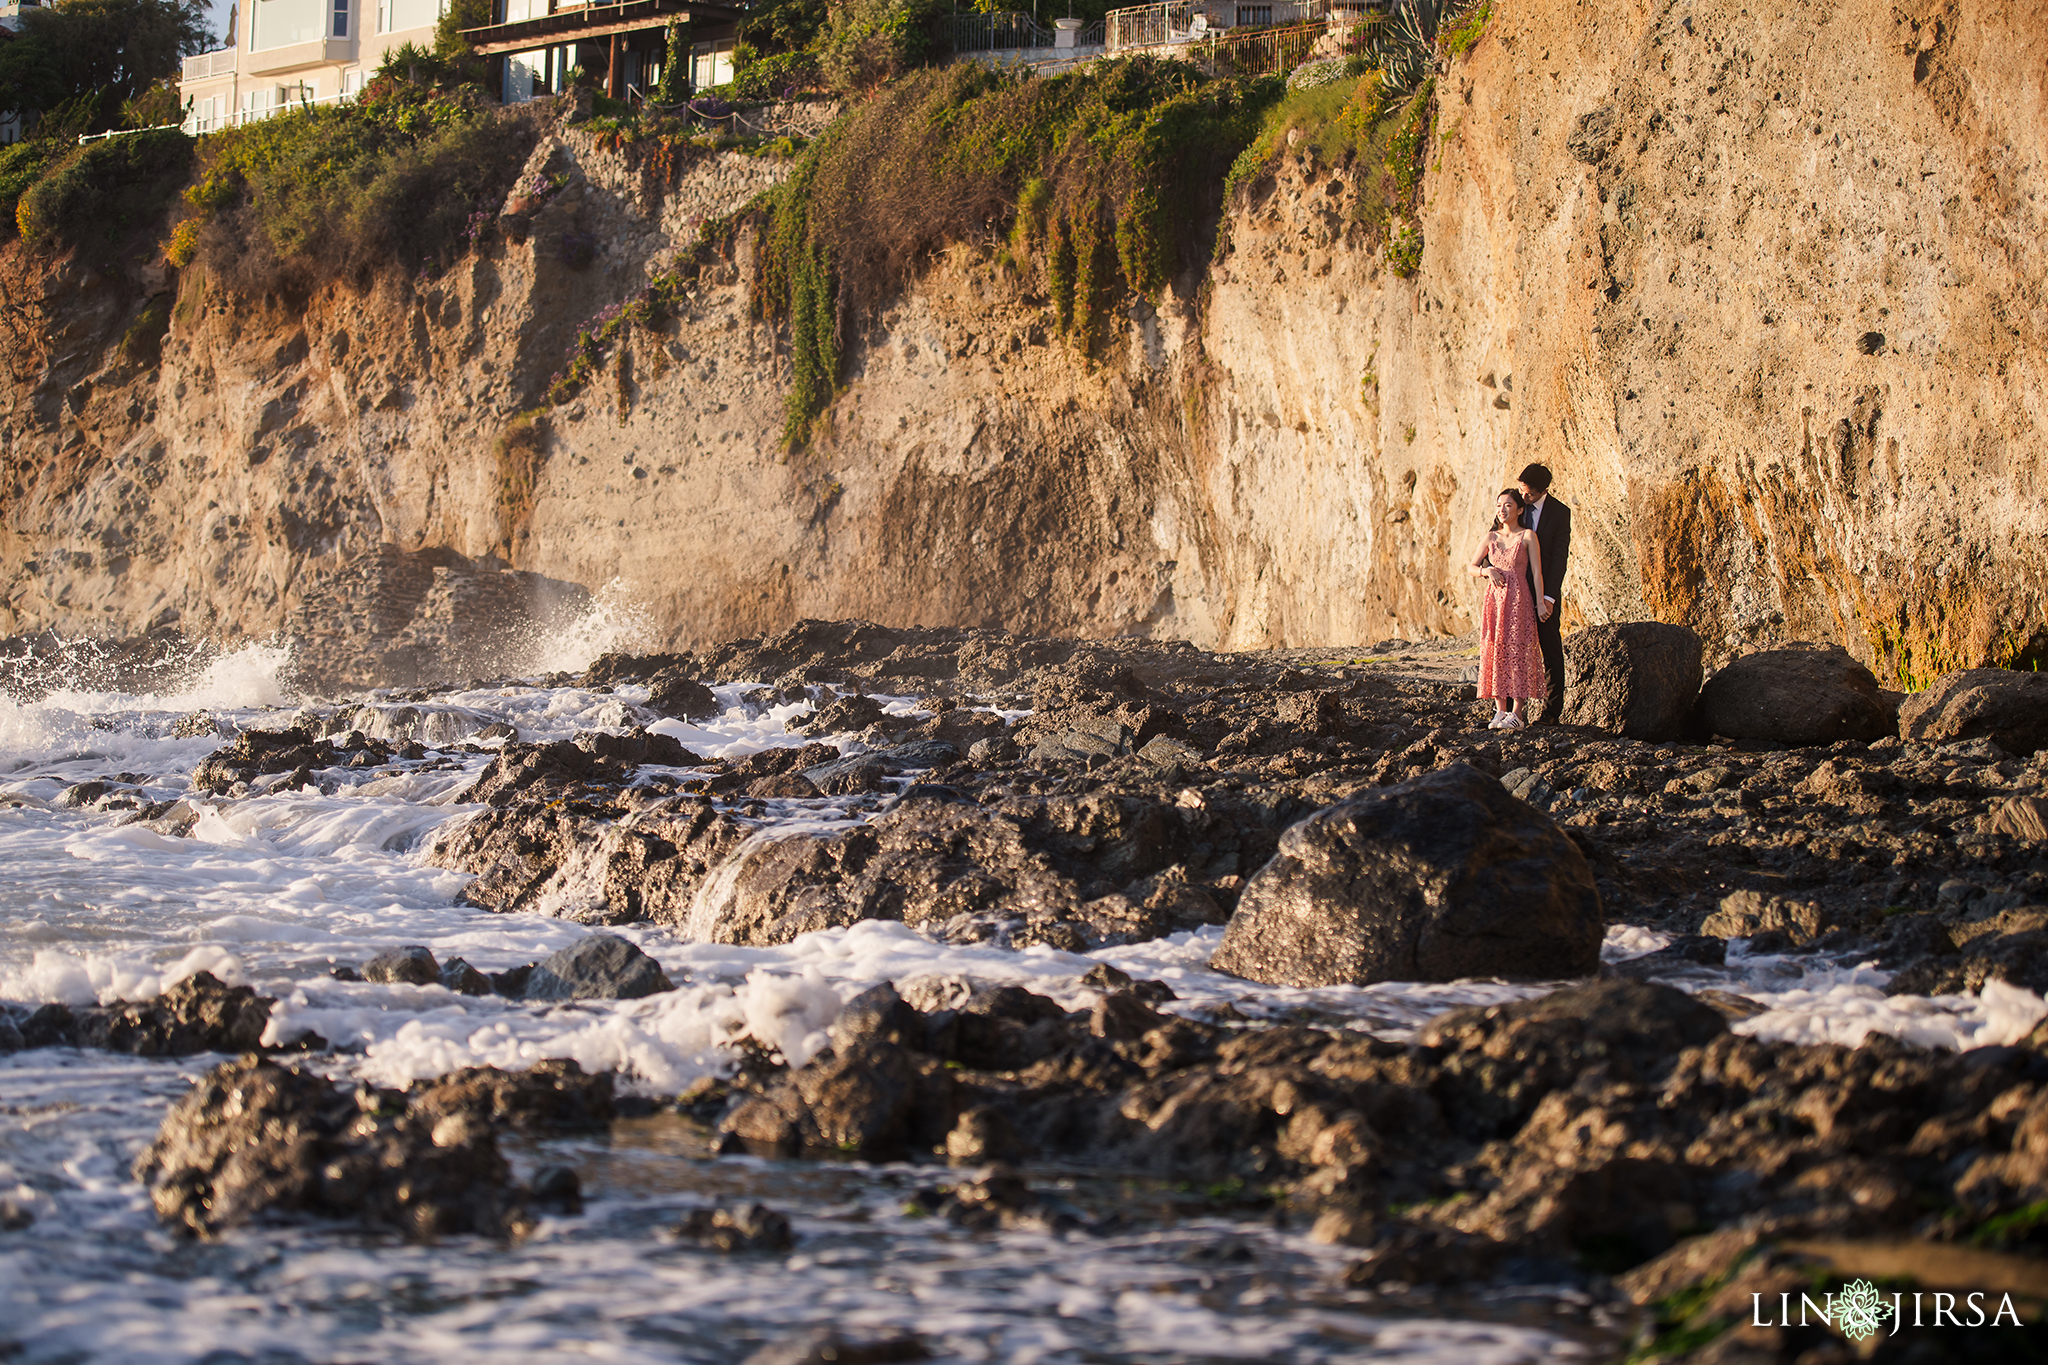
1763 287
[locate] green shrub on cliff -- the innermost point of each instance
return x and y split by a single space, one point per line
404 177
21 165
106 190
1105 181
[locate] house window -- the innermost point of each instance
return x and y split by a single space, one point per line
395 16
341 18
280 23
711 64
1254 16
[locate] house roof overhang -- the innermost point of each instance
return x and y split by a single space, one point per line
572 25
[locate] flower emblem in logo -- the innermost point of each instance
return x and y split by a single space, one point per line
1859 1309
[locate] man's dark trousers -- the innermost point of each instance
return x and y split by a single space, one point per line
1554 538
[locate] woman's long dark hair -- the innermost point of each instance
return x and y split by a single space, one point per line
1520 502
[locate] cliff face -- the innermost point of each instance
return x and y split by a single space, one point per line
1762 287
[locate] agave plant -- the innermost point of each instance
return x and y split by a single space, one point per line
1404 44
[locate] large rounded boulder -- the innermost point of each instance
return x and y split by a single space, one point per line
1799 697
1637 679
1443 877
2010 709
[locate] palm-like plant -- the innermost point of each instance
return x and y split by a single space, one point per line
1403 45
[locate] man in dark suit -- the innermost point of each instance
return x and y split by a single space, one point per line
1551 520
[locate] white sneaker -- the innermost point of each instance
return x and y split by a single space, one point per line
1498 717
1511 721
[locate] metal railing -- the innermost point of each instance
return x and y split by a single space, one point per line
1183 21
235 118
1260 51
1172 21
1002 31
219 62
84 138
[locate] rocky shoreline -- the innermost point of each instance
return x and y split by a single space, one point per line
1614 1137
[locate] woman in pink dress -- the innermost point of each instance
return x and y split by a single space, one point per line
1510 660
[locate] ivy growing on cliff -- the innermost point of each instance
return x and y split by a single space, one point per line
1104 182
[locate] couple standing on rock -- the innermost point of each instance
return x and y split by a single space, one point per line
1522 560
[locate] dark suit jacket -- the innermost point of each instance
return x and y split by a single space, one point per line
1554 535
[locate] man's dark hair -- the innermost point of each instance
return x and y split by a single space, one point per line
1537 476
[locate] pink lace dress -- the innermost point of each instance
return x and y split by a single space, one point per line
1510 661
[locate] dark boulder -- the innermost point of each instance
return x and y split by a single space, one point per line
2010 709
1442 877
1638 679
617 667
256 1139
635 747
744 1228
555 1095
409 966
199 1014
676 695
840 715
1799 697
600 967
256 753
878 1102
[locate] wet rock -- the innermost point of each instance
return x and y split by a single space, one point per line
198 1014
982 1134
555 1095
15 1217
993 750
1019 866
1442 877
1502 1060
789 785
512 981
1638 679
675 694
256 753
517 768
2008 708
838 716
197 725
1797 697
80 795
743 1228
636 747
877 1016
458 976
877 1102
558 1189
498 729
1411 1254
599 967
409 966
255 1139
1746 914
2011 946
547 850
614 667
825 1346
1000 1199
11 1039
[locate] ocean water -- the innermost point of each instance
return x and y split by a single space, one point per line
275 889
